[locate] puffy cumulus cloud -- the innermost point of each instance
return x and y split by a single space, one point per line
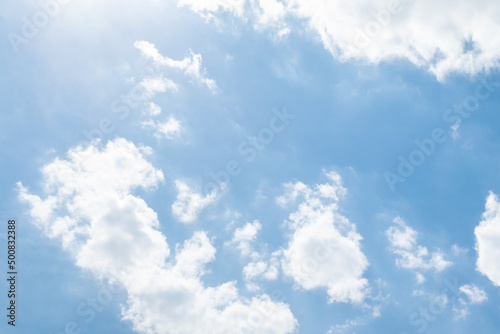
324 249
190 202
193 308
191 65
403 242
488 241
428 34
91 207
244 237
169 129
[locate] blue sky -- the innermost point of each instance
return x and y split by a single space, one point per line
308 235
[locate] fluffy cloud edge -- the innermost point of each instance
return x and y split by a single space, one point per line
114 234
321 239
438 40
488 240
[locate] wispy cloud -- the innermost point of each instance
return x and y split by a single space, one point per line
403 242
191 65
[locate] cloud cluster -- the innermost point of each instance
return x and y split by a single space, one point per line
442 37
403 242
156 83
324 249
114 234
488 241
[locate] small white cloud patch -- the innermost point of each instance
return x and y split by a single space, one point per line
475 294
191 65
403 242
169 129
190 202
244 237
152 86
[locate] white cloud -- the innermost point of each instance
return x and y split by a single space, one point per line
254 269
190 202
346 327
270 14
90 200
243 240
261 270
265 14
401 236
152 86
244 237
370 312
475 294
191 65
324 248
271 11
292 192
267 270
403 242
420 278
168 129
426 33
114 234
488 241
332 190
153 109
207 8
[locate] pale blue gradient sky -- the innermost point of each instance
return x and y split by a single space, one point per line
353 117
